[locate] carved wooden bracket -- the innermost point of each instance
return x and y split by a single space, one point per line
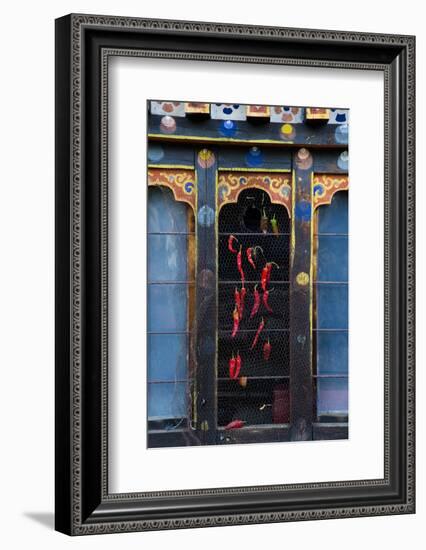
180 181
325 185
276 185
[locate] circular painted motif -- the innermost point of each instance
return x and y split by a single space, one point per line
287 131
303 211
228 128
303 159
205 158
189 187
319 190
254 157
341 133
155 153
302 278
206 216
168 124
285 191
343 160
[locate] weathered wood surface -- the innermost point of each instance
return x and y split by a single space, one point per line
301 389
208 130
206 296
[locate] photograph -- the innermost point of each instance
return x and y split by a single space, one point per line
248 236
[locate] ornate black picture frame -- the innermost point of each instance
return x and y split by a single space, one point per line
84 44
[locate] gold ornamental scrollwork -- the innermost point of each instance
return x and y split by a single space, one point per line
278 186
180 181
326 185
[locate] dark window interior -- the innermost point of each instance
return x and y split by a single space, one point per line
260 395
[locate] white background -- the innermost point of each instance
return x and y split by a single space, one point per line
361 457
26 300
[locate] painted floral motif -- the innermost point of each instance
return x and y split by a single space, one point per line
339 116
205 158
261 111
325 185
173 108
228 111
286 114
197 108
278 187
180 181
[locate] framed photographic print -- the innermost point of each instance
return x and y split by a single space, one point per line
234 274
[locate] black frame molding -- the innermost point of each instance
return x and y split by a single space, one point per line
84 44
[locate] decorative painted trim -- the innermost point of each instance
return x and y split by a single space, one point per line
326 185
197 108
181 182
317 113
203 139
172 166
245 169
258 111
278 187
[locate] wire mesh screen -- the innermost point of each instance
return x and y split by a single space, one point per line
253 313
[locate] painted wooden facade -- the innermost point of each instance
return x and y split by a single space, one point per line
213 158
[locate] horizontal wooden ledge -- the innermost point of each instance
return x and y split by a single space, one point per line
261 433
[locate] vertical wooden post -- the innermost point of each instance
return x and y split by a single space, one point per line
301 390
206 296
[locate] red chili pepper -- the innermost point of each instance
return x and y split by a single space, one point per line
237 298
238 365
265 301
259 330
243 293
264 277
256 303
250 252
231 240
236 317
266 350
240 265
269 271
235 424
232 363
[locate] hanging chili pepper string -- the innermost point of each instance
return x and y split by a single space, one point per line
256 303
231 240
259 330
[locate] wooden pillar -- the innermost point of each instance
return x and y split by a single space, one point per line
206 296
301 390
